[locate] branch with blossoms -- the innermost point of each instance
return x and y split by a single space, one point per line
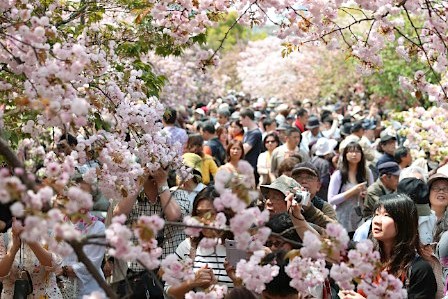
365 36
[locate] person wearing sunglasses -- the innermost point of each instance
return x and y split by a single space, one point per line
271 142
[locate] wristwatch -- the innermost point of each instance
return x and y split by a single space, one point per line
162 189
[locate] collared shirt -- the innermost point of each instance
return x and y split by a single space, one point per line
172 235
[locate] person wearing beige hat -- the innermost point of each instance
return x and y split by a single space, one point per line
438 194
278 199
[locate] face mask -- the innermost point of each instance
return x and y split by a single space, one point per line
213 120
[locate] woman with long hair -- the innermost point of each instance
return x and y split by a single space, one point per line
348 187
223 135
395 235
209 264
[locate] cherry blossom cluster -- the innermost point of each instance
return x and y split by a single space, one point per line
364 265
184 19
361 28
426 131
236 189
213 292
175 271
306 273
255 275
146 252
185 78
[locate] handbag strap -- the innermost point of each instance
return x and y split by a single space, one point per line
21 267
5 240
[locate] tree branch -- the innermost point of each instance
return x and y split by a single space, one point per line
14 162
82 257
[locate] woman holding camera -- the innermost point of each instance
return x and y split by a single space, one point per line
17 255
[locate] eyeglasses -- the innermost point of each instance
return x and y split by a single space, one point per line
270 141
308 178
438 189
277 243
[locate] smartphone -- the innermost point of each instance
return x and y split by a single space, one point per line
233 254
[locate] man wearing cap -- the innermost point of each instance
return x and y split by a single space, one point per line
311 135
438 194
308 176
301 119
388 144
324 152
386 183
276 196
281 132
286 150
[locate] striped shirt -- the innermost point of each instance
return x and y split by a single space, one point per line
213 257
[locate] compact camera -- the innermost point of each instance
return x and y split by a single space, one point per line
302 197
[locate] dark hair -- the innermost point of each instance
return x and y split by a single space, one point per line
238 123
328 119
282 224
291 130
301 112
240 292
170 116
208 127
232 143
71 140
288 165
246 112
209 193
279 285
325 114
267 122
361 172
220 130
273 135
400 153
407 241
197 141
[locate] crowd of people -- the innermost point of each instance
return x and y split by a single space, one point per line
357 173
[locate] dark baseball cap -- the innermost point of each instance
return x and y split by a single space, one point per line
389 168
307 167
356 127
416 189
387 137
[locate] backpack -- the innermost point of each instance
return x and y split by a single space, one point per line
436 268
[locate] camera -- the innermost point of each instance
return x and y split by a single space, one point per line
302 197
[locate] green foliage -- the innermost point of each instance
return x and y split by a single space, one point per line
238 33
385 83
